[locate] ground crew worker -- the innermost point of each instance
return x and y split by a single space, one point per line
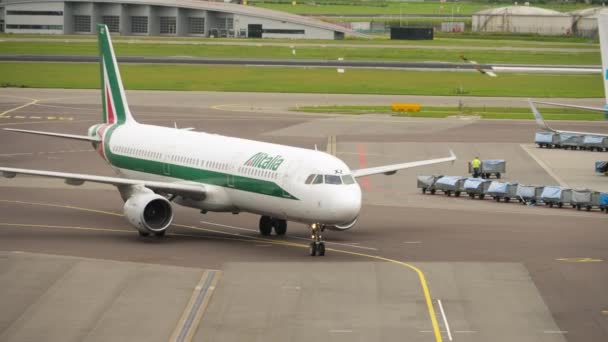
476 165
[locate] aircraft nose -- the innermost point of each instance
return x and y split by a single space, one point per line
348 205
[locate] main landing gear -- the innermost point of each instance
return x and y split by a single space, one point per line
267 224
317 246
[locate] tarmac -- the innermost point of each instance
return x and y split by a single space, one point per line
416 267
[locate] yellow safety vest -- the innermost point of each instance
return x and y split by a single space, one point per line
476 163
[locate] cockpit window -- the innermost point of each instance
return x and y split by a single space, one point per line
309 179
331 179
348 179
318 180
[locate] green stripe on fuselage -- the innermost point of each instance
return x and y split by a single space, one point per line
258 186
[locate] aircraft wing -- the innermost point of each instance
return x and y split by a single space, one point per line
392 169
187 190
543 125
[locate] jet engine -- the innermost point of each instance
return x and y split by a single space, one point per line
149 213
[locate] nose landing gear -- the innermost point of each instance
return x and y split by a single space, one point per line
317 246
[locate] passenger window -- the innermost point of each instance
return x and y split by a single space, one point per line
318 180
348 179
309 179
331 179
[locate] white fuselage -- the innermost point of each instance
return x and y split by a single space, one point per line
238 174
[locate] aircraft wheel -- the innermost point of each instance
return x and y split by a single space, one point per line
312 249
321 249
265 225
280 227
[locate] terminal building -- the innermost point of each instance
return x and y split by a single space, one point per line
161 18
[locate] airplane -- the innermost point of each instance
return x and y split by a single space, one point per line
157 166
603 35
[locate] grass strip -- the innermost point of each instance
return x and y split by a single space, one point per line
301 80
521 113
441 38
322 53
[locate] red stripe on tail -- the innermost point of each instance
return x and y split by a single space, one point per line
109 107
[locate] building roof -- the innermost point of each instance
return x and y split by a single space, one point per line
521 10
589 12
215 6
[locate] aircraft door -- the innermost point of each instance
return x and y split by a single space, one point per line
166 166
167 162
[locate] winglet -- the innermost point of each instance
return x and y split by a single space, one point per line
453 156
539 118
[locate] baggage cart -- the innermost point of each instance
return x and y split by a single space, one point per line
476 187
529 193
502 190
491 167
570 141
601 167
604 202
427 183
451 185
556 195
546 139
595 143
585 198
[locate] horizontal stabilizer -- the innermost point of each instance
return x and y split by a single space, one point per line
57 135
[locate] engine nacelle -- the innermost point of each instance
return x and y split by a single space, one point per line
149 212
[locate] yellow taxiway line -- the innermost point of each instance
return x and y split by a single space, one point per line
421 276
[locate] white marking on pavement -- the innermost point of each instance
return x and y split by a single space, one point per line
293 237
20 107
544 166
555 332
445 319
412 242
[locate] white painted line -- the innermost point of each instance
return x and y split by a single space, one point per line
445 319
17 108
291 288
16 154
412 242
555 332
544 166
293 237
